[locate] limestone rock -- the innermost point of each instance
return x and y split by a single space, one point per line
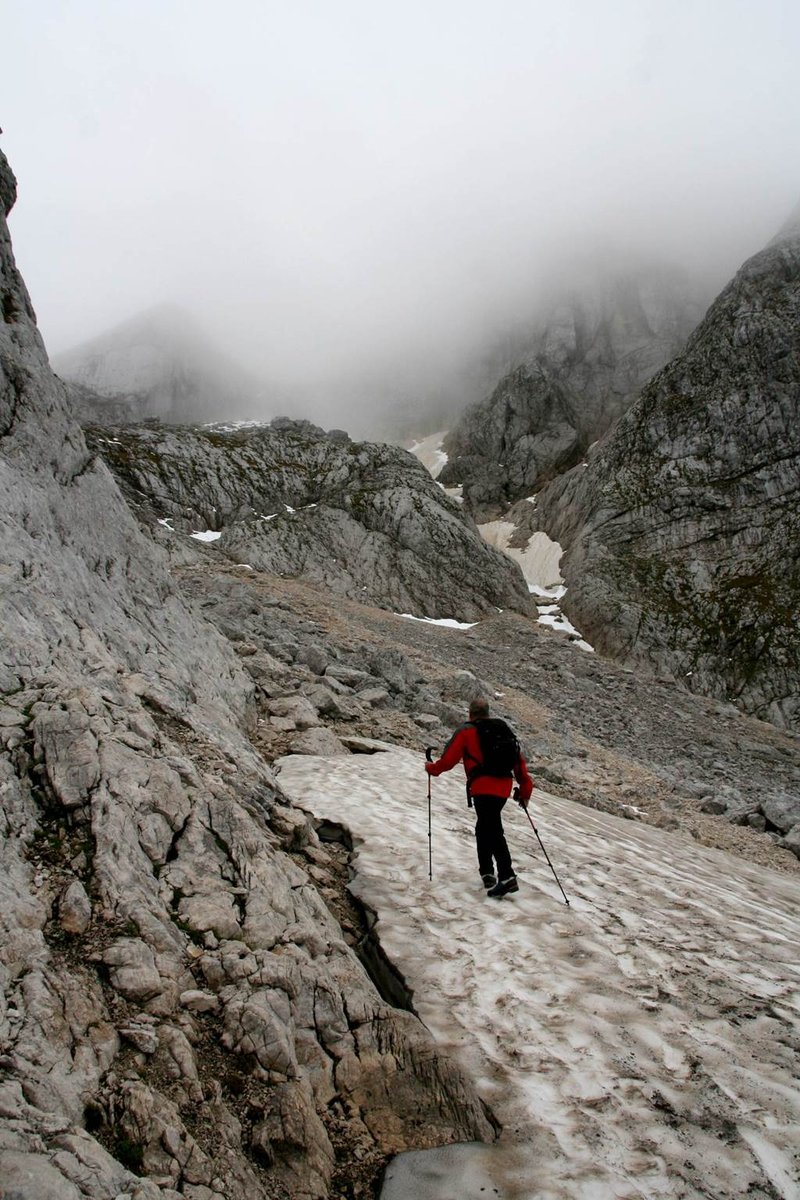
199 1001
325 702
682 535
27 1175
133 969
143 1037
318 741
297 709
350 676
792 840
315 658
363 520
782 811
125 759
579 369
74 908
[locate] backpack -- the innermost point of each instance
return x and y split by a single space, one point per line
499 749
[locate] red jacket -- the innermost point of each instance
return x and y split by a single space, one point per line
464 746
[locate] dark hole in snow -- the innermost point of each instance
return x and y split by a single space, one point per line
331 831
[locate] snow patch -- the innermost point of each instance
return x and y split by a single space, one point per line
206 535
538 561
430 453
233 426
167 523
455 493
445 622
612 1039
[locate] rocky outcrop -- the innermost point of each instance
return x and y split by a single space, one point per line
682 535
583 366
157 364
180 1014
90 408
364 520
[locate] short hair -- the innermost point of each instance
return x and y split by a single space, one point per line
479 707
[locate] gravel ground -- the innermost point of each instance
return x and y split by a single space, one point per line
594 732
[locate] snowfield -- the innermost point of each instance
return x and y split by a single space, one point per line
430 453
642 1042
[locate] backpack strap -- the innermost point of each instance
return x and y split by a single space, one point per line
474 771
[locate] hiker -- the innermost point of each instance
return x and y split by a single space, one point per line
492 761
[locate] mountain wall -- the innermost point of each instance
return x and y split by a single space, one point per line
583 365
682 535
160 363
180 1014
363 520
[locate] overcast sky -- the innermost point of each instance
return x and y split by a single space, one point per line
346 190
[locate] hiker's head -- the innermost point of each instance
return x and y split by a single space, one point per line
478 709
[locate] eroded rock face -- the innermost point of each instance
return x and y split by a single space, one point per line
179 1013
582 367
363 520
682 535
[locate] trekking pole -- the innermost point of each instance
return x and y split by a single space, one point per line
544 852
429 757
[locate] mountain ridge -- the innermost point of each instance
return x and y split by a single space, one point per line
681 536
584 363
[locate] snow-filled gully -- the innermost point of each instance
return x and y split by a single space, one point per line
641 1043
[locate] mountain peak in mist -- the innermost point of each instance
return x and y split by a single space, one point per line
790 227
164 362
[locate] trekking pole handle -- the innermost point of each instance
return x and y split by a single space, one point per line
429 753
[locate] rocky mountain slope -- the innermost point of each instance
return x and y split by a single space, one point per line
184 1004
682 535
363 520
157 364
180 1013
582 366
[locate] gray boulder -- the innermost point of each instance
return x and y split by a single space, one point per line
792 840
782 811
318 741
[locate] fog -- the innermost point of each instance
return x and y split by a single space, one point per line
358 199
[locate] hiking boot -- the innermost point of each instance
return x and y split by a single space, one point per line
504 887
489 880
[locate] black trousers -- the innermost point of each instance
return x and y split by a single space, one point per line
490 837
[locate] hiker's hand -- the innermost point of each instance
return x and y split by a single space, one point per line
523 803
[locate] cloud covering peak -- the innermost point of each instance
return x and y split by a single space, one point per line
357 195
